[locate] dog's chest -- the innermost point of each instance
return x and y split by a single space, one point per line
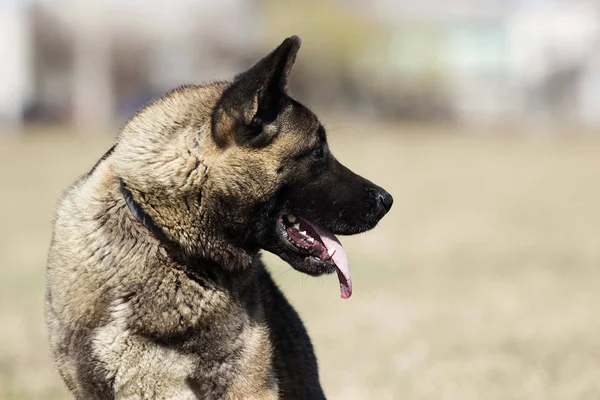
218 354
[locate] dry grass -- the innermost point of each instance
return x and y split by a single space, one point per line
482 283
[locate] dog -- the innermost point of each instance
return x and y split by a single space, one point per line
155 288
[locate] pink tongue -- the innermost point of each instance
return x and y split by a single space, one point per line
339 257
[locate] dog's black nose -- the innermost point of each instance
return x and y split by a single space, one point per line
385 199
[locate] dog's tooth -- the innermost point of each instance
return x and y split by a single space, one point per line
297 226
331 252
303 233
291 218
310 240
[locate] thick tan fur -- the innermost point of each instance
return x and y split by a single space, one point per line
155 287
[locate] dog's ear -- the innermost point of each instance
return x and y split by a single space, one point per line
255 97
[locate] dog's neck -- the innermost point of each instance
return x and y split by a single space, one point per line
174 249
199 269
140 215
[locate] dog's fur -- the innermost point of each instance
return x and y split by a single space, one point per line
155 287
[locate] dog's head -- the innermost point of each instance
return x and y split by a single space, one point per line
230 168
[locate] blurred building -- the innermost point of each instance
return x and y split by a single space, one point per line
97 61
467 61
497 61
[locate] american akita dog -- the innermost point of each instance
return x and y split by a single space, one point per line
155 287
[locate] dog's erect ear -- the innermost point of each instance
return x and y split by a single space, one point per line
255 97
271 73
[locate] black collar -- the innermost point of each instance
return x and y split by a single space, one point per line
200 275
141 216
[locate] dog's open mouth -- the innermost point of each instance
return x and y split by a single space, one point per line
318 242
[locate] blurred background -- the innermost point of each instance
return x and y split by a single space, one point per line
481 117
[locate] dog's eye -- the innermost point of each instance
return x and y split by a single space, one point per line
318 152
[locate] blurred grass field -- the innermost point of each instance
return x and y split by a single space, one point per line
483 282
